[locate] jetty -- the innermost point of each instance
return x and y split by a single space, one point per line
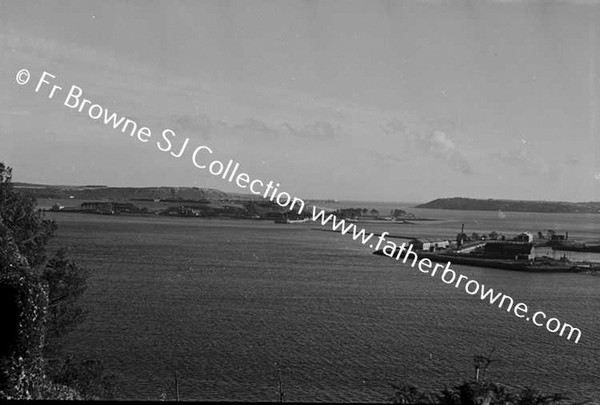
515 254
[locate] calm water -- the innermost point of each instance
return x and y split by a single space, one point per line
222 301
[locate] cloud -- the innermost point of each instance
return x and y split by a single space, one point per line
441 146
527 162
252 127
424 139
199 124
15 112
320 130
386 160
205 127
71 53
572 161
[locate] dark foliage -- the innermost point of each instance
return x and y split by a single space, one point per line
87 376
478 392
409 394
66 283
39 306
474 393
30 231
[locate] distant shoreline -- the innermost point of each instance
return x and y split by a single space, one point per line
197 194
473 204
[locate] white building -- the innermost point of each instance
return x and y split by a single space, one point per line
429 244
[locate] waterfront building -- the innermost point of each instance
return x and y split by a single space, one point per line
430 245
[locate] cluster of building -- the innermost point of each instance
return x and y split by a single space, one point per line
111 208
430 245
518 248
245 209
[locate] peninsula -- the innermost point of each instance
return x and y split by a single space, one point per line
473 204
187 202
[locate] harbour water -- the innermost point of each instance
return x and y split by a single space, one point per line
220 302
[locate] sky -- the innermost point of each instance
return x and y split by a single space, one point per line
349 100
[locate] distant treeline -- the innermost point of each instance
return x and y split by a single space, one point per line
353 213
121 193
173 200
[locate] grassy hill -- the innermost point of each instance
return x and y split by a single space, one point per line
177 201
94 192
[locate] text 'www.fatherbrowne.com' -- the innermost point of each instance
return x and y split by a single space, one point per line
200 156
447 275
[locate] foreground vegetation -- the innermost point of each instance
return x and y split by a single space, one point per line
40 305
475 393
478 392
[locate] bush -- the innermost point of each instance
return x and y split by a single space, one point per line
474 393
88 377
39 300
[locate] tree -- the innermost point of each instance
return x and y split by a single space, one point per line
409 394
398 213
40 301
87 376
475 392
31 233
66 282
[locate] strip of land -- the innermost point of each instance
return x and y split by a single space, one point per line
189 202
473 204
